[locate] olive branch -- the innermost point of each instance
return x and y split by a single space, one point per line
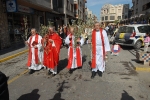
44 28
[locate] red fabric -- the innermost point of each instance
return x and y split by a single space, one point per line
51 54
35 51
70 58
78 55
93 65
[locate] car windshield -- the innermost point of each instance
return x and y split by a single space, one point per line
126 29
144 29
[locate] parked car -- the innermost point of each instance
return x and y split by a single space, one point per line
132 35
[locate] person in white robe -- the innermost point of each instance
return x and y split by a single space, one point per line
100 47
74 53
35 56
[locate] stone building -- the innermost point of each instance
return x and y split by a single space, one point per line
111 13
141 11
80 8
4 37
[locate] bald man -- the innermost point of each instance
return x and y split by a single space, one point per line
35 59
100 47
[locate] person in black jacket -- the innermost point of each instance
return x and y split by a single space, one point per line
4 94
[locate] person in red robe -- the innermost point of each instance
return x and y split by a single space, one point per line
51 44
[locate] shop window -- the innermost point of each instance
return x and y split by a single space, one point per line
16 26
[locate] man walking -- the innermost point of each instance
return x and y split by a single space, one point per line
51 51
100 47
35 51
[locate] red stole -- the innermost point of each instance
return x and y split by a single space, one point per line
93 65
78 55
35 51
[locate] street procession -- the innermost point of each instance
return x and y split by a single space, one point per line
74 50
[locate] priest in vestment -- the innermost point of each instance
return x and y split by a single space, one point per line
100 47
74 53
35 60
51 44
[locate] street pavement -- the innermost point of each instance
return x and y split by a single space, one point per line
119 82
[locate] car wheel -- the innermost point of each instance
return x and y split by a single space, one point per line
138 45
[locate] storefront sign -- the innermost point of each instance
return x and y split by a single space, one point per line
11 5
25 9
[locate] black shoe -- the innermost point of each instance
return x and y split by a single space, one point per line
49 72
71 71
93 74
99 73
31 71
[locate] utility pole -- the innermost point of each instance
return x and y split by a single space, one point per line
65 7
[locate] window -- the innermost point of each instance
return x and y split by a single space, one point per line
102 18
126 10
136 11
112 11
144 29
119 10
126 29
112 17
130 29
133 4
137 1
106 17
119 17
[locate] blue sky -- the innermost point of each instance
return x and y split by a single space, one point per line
96 5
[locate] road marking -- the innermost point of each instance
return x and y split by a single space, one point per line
142 69
16 77
12 56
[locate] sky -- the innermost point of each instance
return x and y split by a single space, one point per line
96 5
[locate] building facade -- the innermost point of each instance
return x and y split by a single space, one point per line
4 36
141 11
80 9
17 17
111 13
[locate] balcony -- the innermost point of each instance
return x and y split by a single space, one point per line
42 5
85 7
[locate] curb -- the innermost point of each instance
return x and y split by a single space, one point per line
12 56
139 68
143 69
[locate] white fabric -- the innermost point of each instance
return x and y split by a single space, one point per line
54 71
146 47
67 41
100 64
40 54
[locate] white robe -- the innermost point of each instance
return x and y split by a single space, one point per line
67 41
35 66
100 64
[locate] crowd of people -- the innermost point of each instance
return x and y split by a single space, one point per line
44 51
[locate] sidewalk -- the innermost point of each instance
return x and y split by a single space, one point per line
17 49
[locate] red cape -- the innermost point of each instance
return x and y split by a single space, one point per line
51 53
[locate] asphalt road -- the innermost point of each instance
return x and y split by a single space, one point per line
119 82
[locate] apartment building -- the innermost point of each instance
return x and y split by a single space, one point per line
37 12
110 13
141 11
80 9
